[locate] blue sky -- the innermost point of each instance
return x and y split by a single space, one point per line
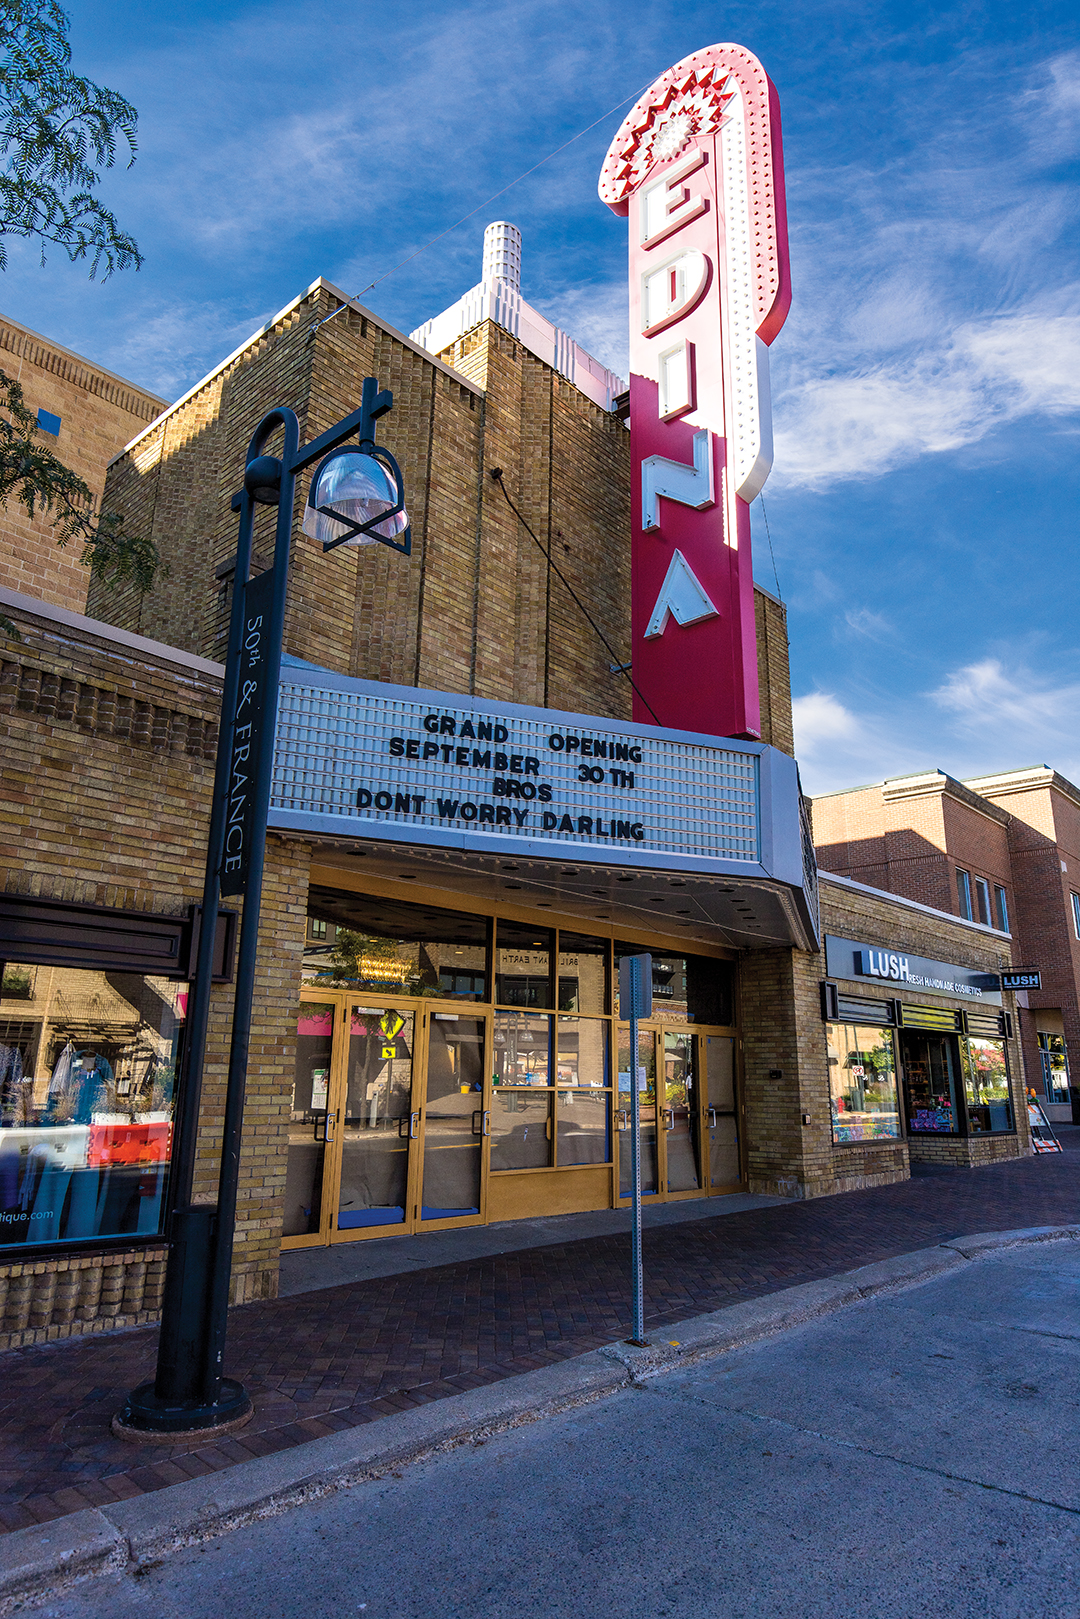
923 506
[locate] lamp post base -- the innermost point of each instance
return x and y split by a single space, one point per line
144 1416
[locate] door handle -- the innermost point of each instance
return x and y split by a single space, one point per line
670 1125
712 1118
625 1118
328 1128
485 1123
478 1130
414 1120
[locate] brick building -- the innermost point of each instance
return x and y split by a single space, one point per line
1001 851
88 414
437 1038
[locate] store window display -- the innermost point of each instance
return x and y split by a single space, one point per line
87 1078
862 1083
986 1085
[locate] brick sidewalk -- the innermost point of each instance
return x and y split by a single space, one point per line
320 1362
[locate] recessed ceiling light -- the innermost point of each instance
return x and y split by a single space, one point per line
569 871
407 876
512 885
624 879
543 905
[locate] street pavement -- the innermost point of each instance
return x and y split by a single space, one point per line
914 1455
320 1362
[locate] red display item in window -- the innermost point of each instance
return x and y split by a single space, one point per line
129 1144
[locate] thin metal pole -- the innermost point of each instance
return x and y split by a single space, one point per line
636 1272
182 1169
233 1123
177 1375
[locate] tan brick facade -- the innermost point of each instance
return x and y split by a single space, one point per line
99 413
109 737
784 1054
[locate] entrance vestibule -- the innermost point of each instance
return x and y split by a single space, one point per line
443 1102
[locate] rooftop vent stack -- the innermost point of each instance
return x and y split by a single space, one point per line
502 254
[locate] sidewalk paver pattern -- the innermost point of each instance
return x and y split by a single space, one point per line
320 1362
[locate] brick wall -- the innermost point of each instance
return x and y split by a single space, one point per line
99 413
107 765
478 608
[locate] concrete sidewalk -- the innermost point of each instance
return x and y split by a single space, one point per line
1012 1339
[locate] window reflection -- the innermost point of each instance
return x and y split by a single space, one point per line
523 964
391 947
522 1049
88 1069
862 1083
986 1085
583 973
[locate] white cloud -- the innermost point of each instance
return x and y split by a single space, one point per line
985 716
991 372
934 295
992 706
821 720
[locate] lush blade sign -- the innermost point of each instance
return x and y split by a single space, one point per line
249 734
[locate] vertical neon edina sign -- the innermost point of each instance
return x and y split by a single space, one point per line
698 167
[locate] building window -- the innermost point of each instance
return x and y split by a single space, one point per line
986 1085
982 895
1055 1066
1002 910
316 927
87 1076
862 1083
963 892
1076 914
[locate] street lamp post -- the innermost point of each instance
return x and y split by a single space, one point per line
356 498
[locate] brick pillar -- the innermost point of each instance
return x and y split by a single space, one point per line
783 1071
271 1056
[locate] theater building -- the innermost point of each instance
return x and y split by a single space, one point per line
437 1033
471 823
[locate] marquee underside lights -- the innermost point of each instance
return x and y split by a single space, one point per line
697 168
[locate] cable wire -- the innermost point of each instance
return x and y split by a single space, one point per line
545 551
768 532
480 205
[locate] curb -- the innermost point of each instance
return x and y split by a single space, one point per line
129 1535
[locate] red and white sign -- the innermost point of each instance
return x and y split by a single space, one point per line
698 167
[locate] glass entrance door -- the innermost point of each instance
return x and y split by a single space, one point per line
645 1079
454 1122
681 1136
390 1124
721 1116
310 1122
378 1120
689 1113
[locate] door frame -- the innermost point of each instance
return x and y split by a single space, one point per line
422 1008
698 1033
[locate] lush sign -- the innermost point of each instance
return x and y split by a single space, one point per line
900 970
